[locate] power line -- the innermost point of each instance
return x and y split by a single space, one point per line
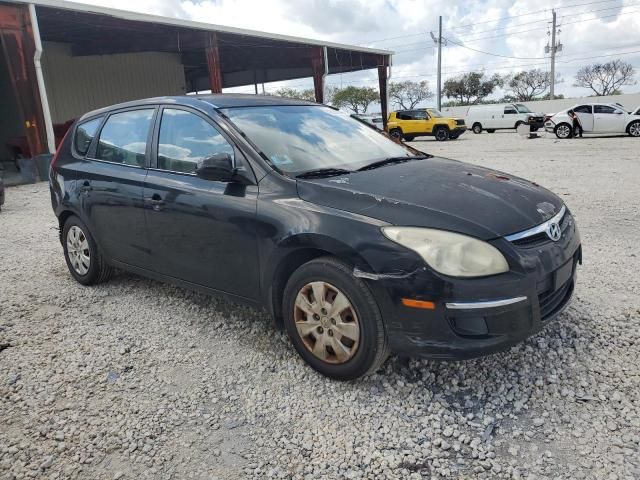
530 13
493 54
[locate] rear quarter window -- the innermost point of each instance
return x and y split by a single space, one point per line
84 135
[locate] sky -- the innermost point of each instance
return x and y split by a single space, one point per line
512 34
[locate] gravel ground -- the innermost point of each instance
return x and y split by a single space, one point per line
136 379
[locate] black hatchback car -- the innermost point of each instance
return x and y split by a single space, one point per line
359 246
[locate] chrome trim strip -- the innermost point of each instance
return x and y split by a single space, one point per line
542 228
488 304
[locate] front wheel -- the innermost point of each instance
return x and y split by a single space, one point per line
476 128
333 320
84 260
634 129
396 133
563 130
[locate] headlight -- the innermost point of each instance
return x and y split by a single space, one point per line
450 253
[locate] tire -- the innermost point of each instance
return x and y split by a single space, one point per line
396 133
361 355
563 131
476 128
441 134
634 129
491 130
76 236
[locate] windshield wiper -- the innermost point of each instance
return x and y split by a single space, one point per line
391 160
323 172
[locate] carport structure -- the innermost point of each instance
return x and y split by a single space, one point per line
60 59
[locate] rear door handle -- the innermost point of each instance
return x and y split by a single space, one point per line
156 201
86 187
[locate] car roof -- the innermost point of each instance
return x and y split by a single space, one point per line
221 100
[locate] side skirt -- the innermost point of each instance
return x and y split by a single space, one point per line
184 284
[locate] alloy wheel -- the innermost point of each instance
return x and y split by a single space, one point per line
634 129
326 322
563 131
78 250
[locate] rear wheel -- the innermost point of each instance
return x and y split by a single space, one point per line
396 133
477 128
441 134
563 130
333 320
84 260
634 129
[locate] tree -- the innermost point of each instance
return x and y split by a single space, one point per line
357 99
470 88
308 94
407 95
605 78
526 85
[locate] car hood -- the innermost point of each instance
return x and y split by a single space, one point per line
438 193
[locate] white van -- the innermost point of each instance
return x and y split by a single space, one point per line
503 116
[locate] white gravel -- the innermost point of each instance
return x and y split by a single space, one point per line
135 379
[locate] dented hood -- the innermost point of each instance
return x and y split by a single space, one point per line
438 193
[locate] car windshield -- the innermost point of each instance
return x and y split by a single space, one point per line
302 138
522 108
435 113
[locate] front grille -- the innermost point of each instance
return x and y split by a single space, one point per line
541 238
459 122
552 301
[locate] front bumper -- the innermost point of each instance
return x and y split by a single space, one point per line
459 130
476 317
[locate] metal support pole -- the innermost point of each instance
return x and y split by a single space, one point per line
46 112
439 62
553 59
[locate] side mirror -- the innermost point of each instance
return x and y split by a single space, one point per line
218 167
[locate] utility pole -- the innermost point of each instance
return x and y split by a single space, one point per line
553 57
438 41
554 48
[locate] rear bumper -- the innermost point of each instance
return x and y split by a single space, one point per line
477 317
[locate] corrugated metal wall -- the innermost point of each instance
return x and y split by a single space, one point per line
76 85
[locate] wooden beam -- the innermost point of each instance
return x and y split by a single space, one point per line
213 63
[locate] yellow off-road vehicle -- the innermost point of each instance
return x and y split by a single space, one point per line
408 124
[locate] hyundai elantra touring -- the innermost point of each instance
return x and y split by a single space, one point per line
358 246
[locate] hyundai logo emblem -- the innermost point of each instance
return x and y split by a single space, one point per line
554 232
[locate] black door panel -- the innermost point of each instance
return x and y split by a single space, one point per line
199 230
111 198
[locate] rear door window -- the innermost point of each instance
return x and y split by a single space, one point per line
84 135
123 138
583 109
185 139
